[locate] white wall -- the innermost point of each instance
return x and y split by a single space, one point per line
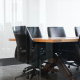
63 13
34 14
6 47
59 13
31 12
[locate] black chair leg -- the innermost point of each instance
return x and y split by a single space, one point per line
33 73
32 76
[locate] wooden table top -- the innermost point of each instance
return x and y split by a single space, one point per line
53 40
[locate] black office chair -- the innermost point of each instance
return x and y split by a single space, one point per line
57 32
41 53
61 48
77 32
35 33
68 50
23 39
20 35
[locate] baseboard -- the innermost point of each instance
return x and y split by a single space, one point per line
9 61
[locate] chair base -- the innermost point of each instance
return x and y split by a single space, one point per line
26 73
72 64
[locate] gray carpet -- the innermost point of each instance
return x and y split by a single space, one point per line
10 72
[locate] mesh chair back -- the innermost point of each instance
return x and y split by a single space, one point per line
20 35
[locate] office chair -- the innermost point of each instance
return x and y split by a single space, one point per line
77 32
61 48
66 50
35 33
57 32
23 38
20 36
41 53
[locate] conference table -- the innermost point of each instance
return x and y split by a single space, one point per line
58 61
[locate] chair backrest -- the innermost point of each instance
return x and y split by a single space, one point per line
35 32
20 35
77 31
56 32
76 53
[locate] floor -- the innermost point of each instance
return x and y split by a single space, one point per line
10 72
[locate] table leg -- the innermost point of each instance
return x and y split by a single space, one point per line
63 69
46 67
